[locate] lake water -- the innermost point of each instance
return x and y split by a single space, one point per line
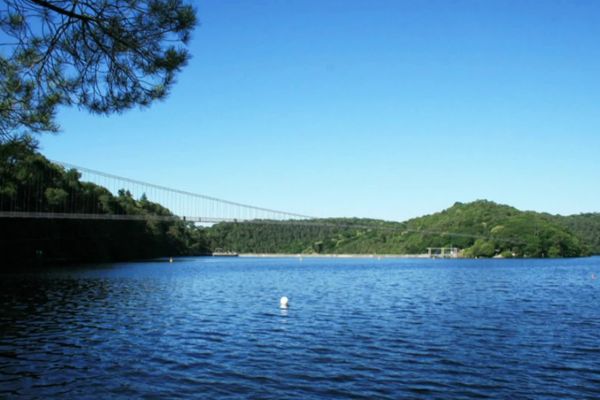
356 328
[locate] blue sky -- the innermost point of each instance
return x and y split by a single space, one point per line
382 109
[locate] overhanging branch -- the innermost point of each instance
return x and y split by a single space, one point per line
62 11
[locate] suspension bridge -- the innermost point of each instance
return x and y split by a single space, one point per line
86 193
183 205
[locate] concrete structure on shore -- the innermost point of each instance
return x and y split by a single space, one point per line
442 252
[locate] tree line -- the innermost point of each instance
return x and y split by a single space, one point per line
33 240
480 229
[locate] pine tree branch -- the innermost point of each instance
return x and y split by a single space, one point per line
62 11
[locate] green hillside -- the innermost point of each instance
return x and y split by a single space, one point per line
480 229
585 226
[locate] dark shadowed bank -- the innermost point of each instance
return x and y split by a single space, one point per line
30 182
42 241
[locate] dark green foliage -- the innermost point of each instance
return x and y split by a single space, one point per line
483 229
480 229
26 241
481 248
104 56
585 226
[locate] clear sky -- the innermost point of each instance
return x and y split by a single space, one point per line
382 109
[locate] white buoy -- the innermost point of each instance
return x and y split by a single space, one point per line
170 259
283 302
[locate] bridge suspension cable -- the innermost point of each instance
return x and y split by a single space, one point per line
183 205
186 205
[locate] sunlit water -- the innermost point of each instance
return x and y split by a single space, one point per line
212 328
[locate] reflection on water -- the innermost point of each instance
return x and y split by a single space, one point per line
213 328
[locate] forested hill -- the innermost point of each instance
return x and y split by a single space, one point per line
585 226
481 228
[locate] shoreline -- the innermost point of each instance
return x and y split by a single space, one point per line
287 255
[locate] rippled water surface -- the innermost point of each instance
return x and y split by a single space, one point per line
212 328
